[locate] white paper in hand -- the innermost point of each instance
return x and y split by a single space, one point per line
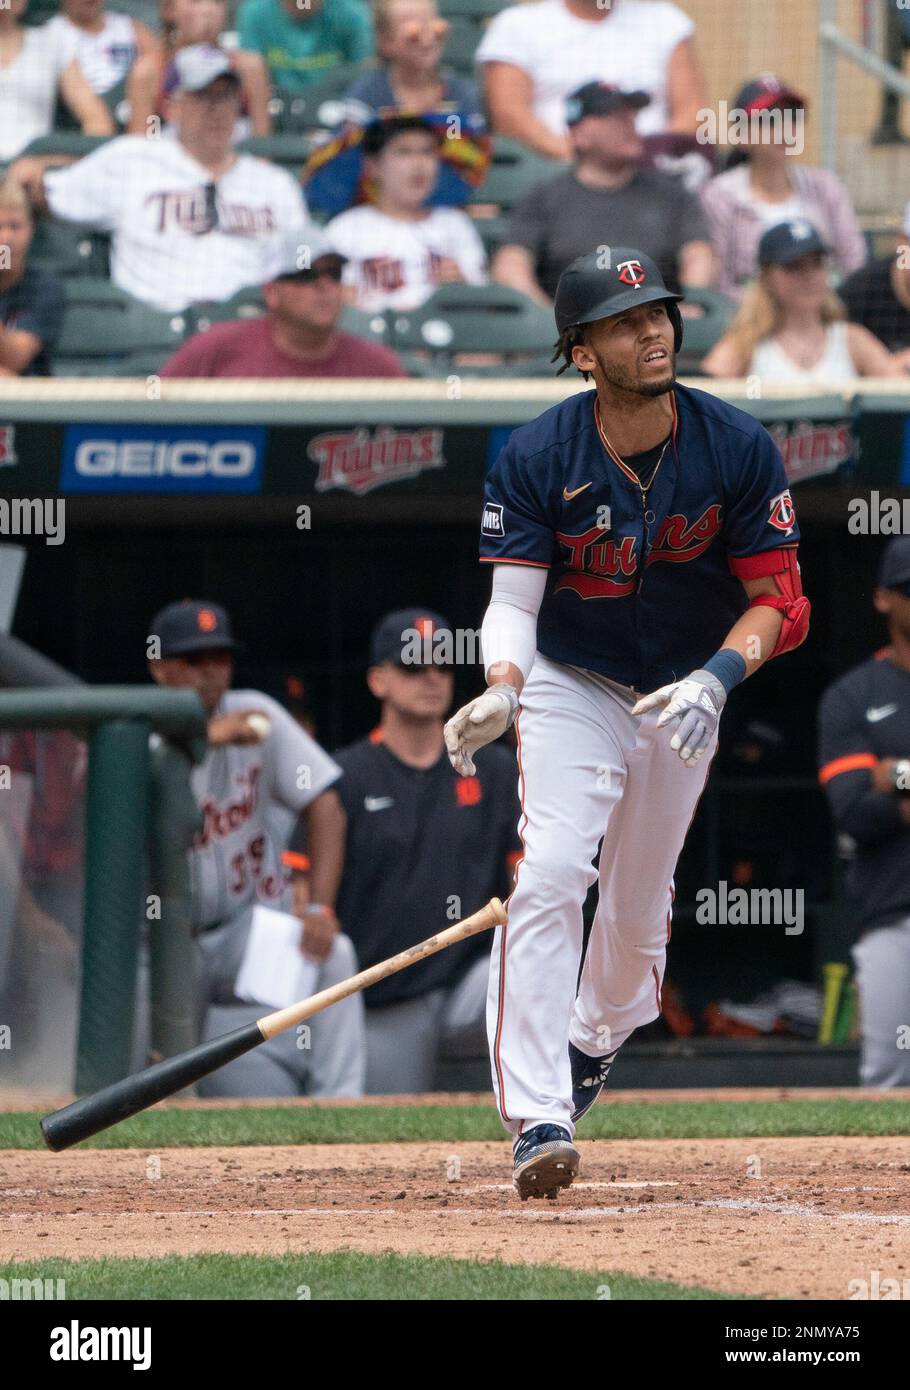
273 971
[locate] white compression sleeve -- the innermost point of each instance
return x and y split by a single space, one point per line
509 631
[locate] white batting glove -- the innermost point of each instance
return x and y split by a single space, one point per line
477 723
696 702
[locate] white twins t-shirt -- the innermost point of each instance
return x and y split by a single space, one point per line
151 196
629 45
394 264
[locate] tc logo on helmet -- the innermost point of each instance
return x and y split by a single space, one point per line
631 273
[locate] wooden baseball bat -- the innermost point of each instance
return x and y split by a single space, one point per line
107 1107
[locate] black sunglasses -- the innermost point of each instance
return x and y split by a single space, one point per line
307 277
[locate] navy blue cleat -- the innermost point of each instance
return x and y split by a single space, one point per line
589 1075
545 1160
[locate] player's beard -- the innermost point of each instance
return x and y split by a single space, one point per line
621 379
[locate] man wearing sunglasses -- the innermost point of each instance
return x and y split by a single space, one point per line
191 220
298 335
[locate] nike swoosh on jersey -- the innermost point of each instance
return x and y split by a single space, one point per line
567 495
378 803
881 712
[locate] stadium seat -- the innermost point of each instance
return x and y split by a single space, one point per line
514 171
289 150
461 43
65 142
458 321
107 333
40 11
373 327
245 304
66 250
471 9
296 112
700 334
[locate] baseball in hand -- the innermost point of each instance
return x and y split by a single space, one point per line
260 724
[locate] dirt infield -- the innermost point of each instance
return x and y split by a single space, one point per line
784 1218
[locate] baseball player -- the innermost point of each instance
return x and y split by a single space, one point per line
864 738
643 544
259 759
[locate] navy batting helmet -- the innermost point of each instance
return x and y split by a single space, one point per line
609 282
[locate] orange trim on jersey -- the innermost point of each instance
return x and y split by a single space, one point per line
852 762
624 468
656 986
504 560
377 735
291 859
514 857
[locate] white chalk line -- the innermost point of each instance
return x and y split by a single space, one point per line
539 1212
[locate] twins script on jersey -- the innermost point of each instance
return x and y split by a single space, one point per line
640 589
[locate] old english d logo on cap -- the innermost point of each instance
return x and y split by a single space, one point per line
206 620
631 273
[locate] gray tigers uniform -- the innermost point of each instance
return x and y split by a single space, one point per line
235 863
234 860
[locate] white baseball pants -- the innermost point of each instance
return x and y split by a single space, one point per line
587 769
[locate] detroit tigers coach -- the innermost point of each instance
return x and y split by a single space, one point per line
643 539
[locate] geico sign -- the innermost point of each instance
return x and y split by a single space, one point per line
159 458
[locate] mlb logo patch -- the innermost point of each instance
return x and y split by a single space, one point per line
491 525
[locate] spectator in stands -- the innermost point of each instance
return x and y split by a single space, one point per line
302 43
191 220
864 756
878 296
398 249
790 326
105 43
297 336
534 56
417 846
37 66
409 40
31 299
767 185
189 22
604 198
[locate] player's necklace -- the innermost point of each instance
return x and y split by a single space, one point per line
614 453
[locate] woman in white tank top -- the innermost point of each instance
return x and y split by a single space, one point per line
105 43
790 327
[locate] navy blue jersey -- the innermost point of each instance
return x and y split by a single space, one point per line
642 590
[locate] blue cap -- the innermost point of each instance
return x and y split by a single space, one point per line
193 625
894 570
786 242
393 635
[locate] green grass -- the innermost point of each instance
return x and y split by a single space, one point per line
452 1123
342 1275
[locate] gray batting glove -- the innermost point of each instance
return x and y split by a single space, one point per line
696 702
478 722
